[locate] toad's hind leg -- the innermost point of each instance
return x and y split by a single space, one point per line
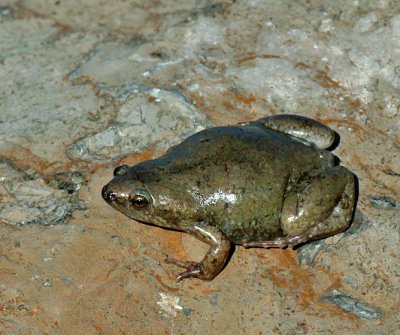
301 127
321 208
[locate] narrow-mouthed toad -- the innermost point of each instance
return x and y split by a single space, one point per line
267 183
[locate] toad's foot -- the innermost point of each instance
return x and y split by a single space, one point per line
215 258
194 270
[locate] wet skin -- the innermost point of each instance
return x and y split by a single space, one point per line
267 183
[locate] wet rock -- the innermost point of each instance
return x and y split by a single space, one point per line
73 78
154 118
120 69
383 202
28 199
352 305
308 252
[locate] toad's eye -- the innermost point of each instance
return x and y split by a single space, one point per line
121 170
141 199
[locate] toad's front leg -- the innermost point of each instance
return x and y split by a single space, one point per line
215 259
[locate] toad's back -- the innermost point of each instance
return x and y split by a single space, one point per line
238 177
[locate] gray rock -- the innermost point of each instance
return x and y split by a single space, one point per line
153 118
383 202
352 305
29 199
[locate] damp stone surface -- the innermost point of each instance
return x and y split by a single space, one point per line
86 86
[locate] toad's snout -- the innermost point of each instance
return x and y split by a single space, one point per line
107 194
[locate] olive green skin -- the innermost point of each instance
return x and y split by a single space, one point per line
250 184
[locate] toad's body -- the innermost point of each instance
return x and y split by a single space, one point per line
254 184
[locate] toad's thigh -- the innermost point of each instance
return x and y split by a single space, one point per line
314 201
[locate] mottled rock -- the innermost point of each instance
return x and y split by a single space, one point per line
156 118
74 80
29 199
353 305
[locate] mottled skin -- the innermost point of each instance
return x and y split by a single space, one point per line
259 184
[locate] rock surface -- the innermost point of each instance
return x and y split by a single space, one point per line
90 85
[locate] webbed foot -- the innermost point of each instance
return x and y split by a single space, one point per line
215 258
